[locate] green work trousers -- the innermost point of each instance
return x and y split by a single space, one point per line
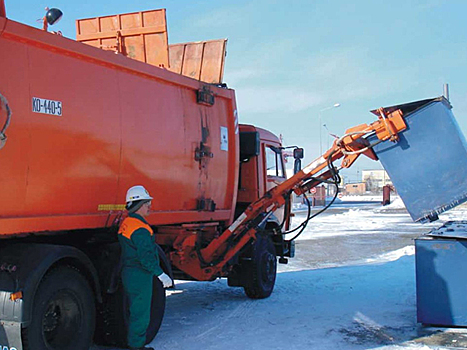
138 285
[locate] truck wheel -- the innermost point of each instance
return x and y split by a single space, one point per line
114 318
261 270
63 315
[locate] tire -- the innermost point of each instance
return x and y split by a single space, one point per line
63 314
157 310
113 320
261 270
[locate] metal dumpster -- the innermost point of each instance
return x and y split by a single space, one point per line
441 267
428 166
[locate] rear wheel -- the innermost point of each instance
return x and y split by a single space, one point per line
113 328
261 270
63 316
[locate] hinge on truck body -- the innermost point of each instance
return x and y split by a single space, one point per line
205 96
203 151
205 204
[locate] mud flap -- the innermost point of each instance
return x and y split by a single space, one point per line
10 322
10 336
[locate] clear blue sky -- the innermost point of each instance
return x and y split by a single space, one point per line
287 60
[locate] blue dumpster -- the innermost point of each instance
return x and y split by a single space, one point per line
428 166
441 267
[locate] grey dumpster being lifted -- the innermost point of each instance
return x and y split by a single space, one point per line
428 166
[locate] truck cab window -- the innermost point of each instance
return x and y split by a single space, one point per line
274 162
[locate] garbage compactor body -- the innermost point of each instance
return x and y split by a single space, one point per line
79 126
87 124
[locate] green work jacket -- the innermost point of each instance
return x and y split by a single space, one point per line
139 248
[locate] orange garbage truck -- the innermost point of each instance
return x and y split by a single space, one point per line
82 124
82 121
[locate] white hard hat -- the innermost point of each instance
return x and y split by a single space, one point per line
137 193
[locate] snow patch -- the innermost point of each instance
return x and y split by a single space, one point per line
397 203
350 222
409 346
393 256
358 198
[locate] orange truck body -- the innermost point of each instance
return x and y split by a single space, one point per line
122 123
93 117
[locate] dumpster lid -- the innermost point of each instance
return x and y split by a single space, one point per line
451 229
410 107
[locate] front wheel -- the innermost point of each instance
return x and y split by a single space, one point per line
261 269
63 316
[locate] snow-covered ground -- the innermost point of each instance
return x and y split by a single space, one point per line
351 286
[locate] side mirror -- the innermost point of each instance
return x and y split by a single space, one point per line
298 153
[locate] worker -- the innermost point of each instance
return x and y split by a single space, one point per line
140 262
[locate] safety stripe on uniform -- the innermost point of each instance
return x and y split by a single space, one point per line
130 225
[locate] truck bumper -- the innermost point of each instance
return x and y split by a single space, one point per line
10 322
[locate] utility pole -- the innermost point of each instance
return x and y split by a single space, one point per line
335 105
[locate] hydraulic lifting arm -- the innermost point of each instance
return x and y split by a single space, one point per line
207 263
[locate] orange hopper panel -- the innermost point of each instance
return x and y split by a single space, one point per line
139 35
202 60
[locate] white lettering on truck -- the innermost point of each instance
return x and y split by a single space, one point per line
41 105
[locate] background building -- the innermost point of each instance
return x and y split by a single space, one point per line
355 188
375 180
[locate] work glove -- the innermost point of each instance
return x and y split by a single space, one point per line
165 280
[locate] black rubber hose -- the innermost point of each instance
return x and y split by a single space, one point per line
336 180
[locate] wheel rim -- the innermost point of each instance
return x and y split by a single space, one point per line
269 270
61 320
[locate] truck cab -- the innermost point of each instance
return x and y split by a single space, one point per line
262 167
